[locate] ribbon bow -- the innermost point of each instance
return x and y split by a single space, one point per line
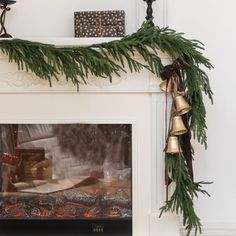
172 70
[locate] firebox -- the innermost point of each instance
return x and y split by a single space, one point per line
73 179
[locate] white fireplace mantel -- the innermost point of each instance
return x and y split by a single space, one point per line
13 80
133 98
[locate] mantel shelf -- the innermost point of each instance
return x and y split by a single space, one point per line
76 42
60 42
14 81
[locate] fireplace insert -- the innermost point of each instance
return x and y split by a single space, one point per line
66 179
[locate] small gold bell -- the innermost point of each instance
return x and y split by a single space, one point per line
178 127
182 107
173 146
167 87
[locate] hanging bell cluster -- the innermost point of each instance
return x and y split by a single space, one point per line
180 107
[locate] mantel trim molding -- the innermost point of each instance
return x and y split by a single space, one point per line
14 81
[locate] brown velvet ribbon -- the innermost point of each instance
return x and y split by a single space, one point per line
175 71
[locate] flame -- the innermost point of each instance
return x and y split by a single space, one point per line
113 215
89 215
45 213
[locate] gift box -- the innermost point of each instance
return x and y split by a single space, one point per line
34 165
100 24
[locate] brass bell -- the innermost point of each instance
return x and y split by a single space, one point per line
182 107
178 127
173 146
167 87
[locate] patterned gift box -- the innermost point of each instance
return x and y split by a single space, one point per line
100 24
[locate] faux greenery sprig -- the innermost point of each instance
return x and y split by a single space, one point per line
185 191
106 59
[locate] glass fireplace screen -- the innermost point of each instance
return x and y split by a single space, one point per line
66 171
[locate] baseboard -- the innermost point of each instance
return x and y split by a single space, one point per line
215 229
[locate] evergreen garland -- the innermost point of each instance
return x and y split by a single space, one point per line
186 189
106 59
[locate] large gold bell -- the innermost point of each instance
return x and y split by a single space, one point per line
182 107
173 146
178 127
167 86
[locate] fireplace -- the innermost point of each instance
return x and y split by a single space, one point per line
134 106
76 172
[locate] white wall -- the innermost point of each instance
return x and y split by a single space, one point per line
55 18
212 22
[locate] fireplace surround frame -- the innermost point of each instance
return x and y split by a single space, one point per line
133 91
14 84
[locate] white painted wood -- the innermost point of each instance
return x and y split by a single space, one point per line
202 19
158 124
15 81
134 108
68 41
135 98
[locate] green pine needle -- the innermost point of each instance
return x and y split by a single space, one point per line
186 190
